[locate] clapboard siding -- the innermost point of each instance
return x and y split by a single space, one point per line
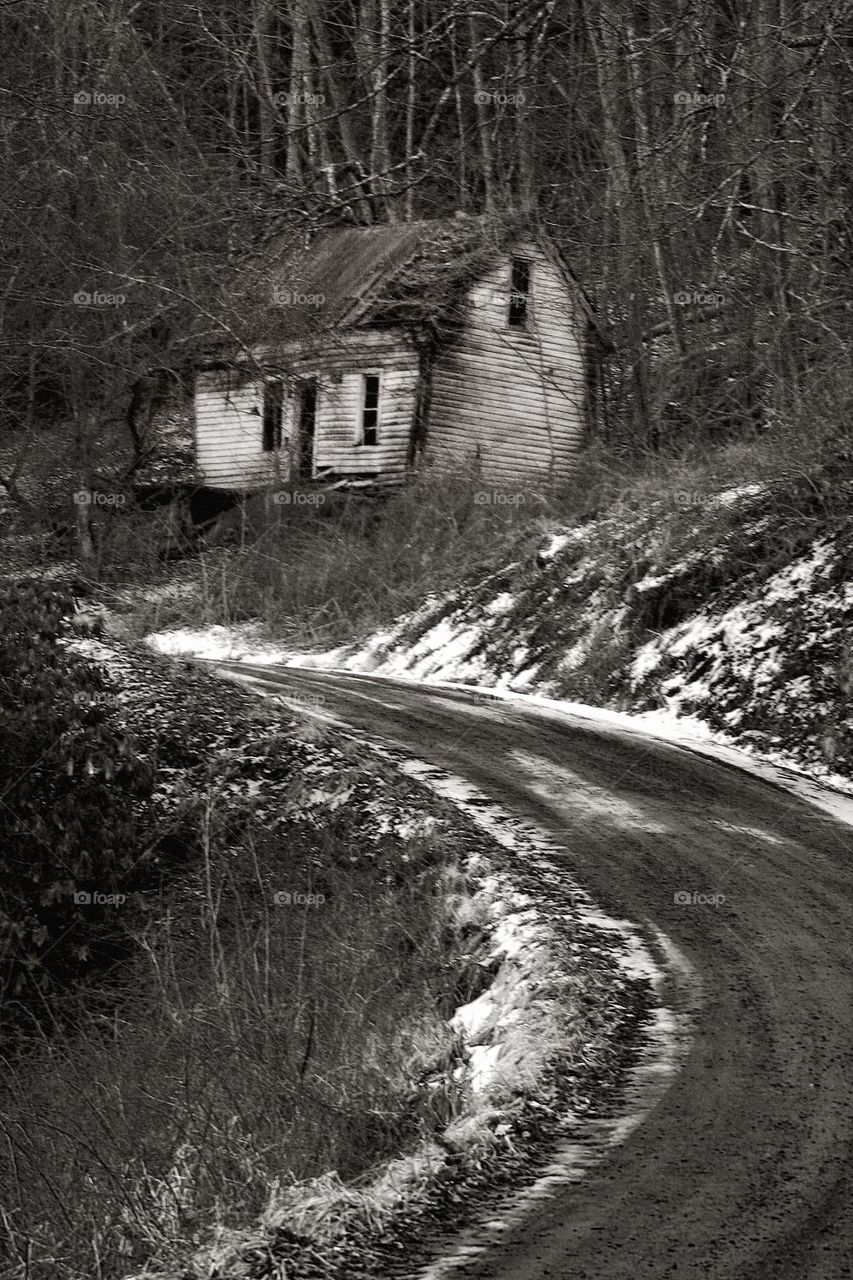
339 374
516 396
229 433
229 416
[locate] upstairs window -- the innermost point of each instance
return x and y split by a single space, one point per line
273 402
370 408
519 293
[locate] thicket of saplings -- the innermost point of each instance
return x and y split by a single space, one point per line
257 1007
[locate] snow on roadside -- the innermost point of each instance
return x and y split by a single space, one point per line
240 642
828 790
687 632
505 1038
496 1026
733 497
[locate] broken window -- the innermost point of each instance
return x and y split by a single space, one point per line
273 402
370 409
519 293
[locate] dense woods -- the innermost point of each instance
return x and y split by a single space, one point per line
692 158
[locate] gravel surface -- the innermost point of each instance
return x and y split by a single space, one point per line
744 1167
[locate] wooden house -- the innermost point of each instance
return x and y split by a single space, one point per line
452 342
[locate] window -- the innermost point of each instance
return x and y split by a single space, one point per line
273 401
370 409
519 293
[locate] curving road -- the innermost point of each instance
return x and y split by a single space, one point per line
744 1171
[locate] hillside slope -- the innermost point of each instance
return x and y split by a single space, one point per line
736 611
732 609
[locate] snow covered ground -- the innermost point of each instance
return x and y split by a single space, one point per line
506 1038
735 639
731 640
830 791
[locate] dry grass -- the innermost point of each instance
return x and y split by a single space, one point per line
325 574
317 575
260 1043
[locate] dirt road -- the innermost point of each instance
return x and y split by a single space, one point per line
745 1170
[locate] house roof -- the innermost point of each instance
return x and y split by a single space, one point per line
413 274
345 265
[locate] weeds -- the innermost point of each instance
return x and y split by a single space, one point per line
337 569
268 1034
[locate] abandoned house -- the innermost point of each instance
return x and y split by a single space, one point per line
450 342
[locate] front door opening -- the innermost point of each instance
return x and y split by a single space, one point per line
307 427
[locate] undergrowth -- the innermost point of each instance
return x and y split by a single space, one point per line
335 568
263 1040
283 985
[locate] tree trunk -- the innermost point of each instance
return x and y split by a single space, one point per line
411 67
84 428
460 119
651 187
266 112
380 155
523 135
620 207
330 80
487 160
297 90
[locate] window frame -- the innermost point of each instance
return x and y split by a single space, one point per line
363 410
520 293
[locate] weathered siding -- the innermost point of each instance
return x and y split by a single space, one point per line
339 373
516 394
229 433
229 422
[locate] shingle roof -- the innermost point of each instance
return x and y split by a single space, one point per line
414 275
344 263
409 273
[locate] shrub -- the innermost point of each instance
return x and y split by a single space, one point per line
72 792
265 1041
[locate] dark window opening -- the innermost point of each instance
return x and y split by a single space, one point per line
519 293
307 428
370 409
273 402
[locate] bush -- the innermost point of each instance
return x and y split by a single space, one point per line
267 1040
72 789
